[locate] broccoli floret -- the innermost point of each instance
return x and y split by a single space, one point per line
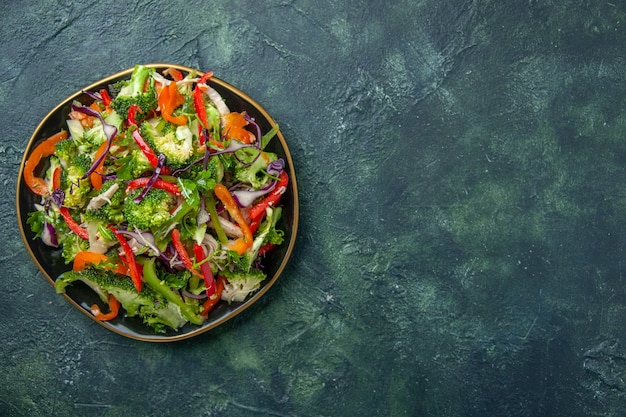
155 310
66 150
72 244
205 178
139 90
175 142
241 284
153 211
75 188
133 165
106 207
250 172
161 316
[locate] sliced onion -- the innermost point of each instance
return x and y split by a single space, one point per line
203 215
275 167
170 259
233 146
104 198
246 197
217 100
143 238
95 96
160 79
188 294
49 235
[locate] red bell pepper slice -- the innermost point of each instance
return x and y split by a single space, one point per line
148 152
205 77
198 99
129 256
56 178
212 300
71 223
170 187
132 112
44 149
106 98
182 252
207 273
265 249
257 212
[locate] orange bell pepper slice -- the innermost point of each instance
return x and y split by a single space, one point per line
240 245
174 73
169 99
234 123
43 150
84 258
96 175
114 309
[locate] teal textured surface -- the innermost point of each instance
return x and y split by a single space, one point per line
462 210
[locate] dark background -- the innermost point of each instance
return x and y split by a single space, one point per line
461 175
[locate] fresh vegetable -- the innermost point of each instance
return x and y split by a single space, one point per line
241 245
139 90
73 182
129 257
72 224
148 304
44 149
170 99
160 198
257 212
175 142
151 212
114 307
241 284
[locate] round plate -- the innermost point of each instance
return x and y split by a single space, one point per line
51 264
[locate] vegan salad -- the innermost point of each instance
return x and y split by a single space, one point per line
162 199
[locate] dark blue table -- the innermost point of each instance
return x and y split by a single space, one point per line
463 210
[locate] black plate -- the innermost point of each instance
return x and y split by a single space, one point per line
51 264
